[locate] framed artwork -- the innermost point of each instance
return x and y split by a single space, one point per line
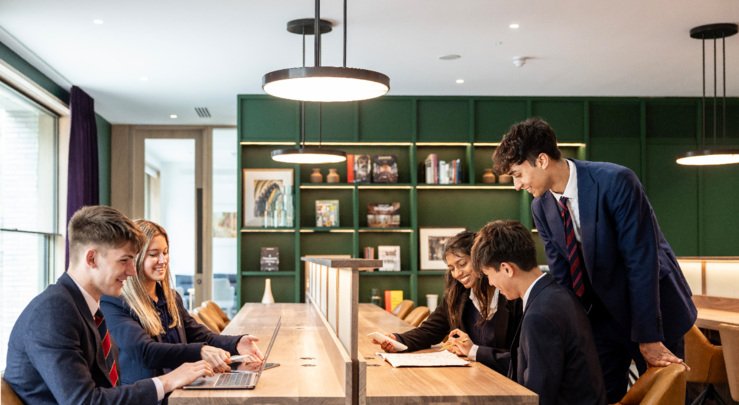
432 241
267 198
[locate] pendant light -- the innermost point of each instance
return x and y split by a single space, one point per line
325 83
302 154
715 155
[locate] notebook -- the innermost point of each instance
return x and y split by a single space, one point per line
236 380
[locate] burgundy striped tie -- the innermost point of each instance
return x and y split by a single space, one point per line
107 345
574 254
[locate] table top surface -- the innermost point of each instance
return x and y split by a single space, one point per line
710 318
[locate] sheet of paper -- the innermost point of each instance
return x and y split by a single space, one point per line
443 358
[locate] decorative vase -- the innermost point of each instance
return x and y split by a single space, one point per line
488 177
267 298
332 176
505 179
316 176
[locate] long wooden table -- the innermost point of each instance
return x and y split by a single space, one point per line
311 369
476 384
713 311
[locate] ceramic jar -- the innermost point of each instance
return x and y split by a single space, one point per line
332 176
505 179
488 177
316 176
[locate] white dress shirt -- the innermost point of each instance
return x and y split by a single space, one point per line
571 194
472 355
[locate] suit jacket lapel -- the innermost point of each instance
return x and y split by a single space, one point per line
587 194
540 285
551 210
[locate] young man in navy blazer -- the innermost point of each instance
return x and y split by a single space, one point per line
603 242
553 353
56 354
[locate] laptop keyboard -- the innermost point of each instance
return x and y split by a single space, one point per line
234 379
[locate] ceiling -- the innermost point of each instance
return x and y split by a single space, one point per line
150 59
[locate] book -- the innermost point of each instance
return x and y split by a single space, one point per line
390 256
392 299
269 259
383 215
362 168
431 164
443 358
349 168
384 169
327 213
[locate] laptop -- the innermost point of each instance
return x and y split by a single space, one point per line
236 380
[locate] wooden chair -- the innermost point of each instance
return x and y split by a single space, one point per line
418 315
730 343
207 311
7 395
706 364
658 386
218 310
401 310
206 320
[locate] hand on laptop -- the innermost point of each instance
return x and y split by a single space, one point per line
216 358
247 346
185 374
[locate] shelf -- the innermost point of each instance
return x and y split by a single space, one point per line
431 272
385 230
318 186
267 230
378 273
384 186
268 273
464 187
326 230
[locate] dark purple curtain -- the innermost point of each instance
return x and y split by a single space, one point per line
82 185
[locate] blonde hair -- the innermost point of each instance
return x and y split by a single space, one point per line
136 295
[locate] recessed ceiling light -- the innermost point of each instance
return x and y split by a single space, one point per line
97 21
173 116
513 26
460 81
451 56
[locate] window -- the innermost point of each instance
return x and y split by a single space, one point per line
28 205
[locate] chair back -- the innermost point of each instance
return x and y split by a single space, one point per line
658 386
417 315
7 395
208 311
205 319
730 343
401 310
217 309
706 360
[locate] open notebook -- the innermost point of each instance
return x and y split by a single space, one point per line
443 358
237 380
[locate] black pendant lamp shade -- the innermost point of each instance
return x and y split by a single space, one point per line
714 155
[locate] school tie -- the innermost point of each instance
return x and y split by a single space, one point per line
107 346
574 254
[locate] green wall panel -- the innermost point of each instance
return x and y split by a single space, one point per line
472 208
622 151
567 117
253 242
308 198
493 118
252 288
386 120
720 199
338 123
268 119
324 243
430 285
672 190
444 120
610 119
672 118
103 132
382 283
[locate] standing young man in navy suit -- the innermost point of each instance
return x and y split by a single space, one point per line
58 351
555 355
602 241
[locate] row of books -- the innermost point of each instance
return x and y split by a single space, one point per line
442 172
371 168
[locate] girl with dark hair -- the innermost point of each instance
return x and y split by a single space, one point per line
477 321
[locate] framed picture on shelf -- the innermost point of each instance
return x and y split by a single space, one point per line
267 198
432 241
327 213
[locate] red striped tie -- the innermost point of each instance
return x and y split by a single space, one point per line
107 345
574 254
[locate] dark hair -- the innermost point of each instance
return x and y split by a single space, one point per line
503 241
455 292
525 141
103 226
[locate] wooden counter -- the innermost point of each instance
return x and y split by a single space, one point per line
311 369
713 311
476 384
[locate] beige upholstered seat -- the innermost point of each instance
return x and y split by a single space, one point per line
417 315
706 362
8 396
730 344
658 386
205 319
403 309
215 308
208 311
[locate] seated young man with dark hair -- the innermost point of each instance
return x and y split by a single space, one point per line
556 355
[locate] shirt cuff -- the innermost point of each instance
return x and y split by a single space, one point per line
160 388
472 355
